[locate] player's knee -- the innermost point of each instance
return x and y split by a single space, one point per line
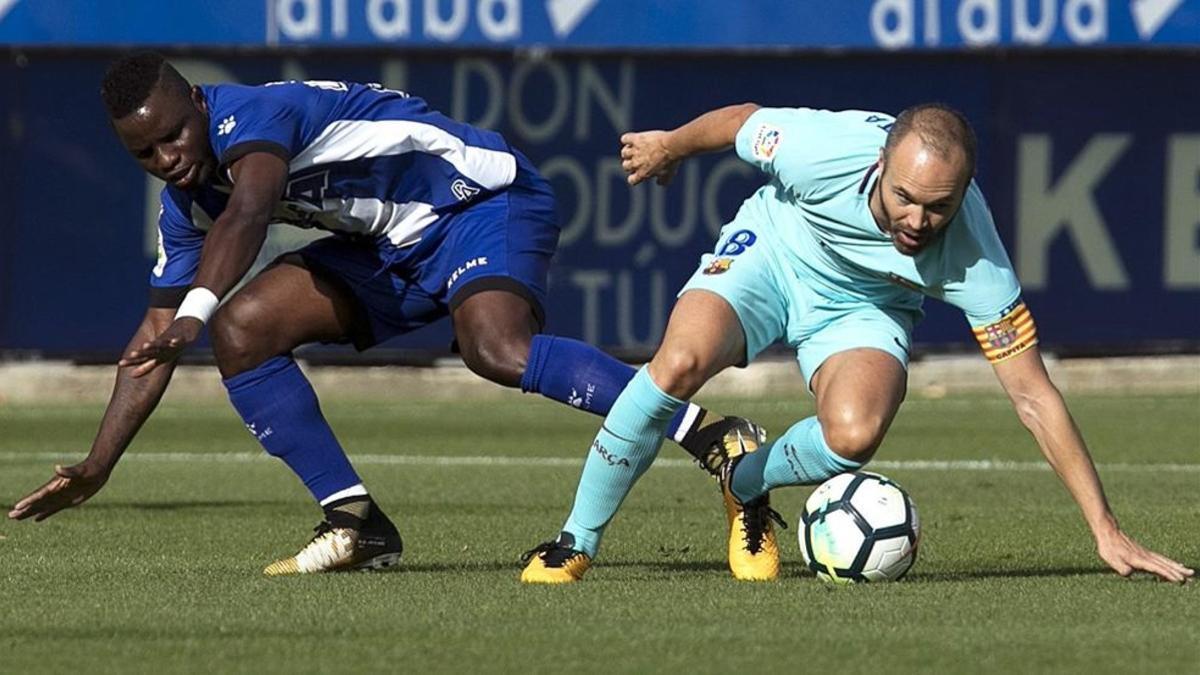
233 335
853 437
501 360
678 372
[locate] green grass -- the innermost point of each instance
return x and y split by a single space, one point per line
161 570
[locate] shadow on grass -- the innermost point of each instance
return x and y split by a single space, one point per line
789 569
516 566
975 575
182 505
488 566
670 565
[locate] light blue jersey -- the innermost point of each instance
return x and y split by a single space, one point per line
805 262
822 169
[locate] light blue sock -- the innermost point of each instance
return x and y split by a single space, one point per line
625 447
580 375
799 457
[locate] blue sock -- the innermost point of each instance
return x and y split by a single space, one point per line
799 457
623 450
578 374
280 408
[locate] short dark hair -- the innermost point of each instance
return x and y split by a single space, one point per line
940 127
130 79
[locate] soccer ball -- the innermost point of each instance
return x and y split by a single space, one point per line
859 527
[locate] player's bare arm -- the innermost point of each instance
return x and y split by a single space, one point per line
229 250
1042 410
656 154
132 402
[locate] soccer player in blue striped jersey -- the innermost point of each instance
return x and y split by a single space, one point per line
863 216
428 218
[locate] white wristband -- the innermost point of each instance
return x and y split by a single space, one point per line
199 303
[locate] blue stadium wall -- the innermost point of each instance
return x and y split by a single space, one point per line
1090 161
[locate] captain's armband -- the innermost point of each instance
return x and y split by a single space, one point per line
1014 333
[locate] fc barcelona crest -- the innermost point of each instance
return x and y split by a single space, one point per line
1002 334
718 266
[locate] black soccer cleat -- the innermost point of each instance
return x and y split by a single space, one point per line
375 546
713 443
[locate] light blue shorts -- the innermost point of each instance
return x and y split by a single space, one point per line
774 303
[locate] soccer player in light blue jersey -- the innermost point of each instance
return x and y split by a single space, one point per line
862 217
429 218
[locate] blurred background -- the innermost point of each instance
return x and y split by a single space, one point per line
1088 114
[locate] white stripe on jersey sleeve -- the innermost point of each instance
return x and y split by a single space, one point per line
347 140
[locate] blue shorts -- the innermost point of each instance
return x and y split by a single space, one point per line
504 242
775 303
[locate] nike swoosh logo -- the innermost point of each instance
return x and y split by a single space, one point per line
741 442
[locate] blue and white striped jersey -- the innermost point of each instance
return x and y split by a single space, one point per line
362 161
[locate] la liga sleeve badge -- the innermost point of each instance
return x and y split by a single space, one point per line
766 142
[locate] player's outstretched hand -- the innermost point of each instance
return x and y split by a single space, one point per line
1126 556
163 349
71 486
644 155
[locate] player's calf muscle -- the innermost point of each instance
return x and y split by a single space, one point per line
501 359
494 331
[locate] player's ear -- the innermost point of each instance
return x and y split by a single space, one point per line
198 99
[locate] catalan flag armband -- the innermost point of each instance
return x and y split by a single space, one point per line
1014 333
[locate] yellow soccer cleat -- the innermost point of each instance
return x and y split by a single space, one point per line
554 562
376 546
753 548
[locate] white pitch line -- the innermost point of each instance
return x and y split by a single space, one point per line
446 460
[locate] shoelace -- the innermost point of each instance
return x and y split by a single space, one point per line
319 552
321 529
757 518
556 555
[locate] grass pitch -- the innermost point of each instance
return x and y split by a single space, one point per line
162 570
